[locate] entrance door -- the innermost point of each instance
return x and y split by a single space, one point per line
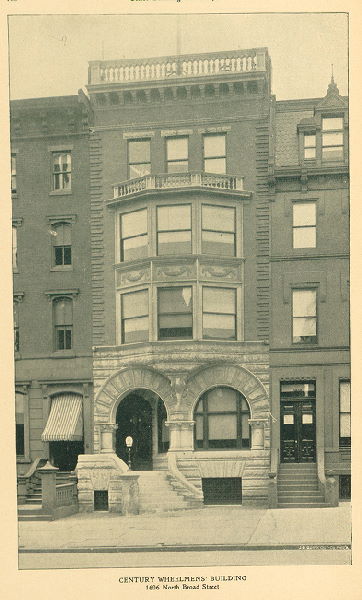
298 433
134 418
64 455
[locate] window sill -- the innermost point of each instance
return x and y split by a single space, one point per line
63 354
62 268
60 193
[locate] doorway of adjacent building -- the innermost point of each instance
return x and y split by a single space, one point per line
64 455
134 418
298 431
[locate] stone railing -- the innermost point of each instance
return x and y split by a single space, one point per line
30 479
178 180
66 493
170 67
58 499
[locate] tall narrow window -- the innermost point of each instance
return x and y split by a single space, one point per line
139 158
174 229
63 323
134 320
13 173
218 230
214 153
304 225
219 313
305 316
332 138
16 327
62 245
309 146
177 150
134 238
20 424
344 413
175 313
15 248
62 170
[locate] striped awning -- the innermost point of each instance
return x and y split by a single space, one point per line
65 421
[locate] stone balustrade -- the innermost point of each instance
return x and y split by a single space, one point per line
170 67
178 180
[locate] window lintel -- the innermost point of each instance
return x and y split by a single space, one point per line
66 293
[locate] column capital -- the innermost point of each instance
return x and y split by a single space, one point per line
108 427
257 422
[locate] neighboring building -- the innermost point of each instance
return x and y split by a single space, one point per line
208 279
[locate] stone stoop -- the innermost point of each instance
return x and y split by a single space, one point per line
298 486
32 509
157 495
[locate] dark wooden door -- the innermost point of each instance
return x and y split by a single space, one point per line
134 418
298 431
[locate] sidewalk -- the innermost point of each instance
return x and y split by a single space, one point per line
208 527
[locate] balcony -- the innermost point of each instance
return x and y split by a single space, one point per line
179 181
176 67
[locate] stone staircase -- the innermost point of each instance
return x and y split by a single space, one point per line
160 492
32 509
298 486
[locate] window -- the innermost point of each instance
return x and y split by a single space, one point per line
219 313
13 173
304 225
134 322
344 414
62 170
139 158
175 313
221 417
177 151
20 423
15 248
174 229
218 230
62 248
16 327
63 323
214 153
309 146
134 238
305 316
332 138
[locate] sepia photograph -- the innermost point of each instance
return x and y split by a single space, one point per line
180 259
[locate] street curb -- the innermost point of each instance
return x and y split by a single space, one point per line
187 548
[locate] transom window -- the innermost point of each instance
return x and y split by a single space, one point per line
175 313
305 316
139 158
63 323
332 138
219 313
177 152
304 225
214 153
134 238
134 321
62 168
344 413
174 229
62 244
309 146
218 230
221 420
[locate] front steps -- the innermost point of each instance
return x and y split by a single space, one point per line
32 509
157 494
298 486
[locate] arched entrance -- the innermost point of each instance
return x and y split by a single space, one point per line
142 415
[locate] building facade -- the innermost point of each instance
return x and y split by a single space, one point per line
194 243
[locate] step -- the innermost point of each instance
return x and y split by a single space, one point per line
302 505
299 497
292 487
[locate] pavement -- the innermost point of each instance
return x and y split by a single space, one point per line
211 527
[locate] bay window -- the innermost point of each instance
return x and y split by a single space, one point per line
134 237
175 313
134 320
218 230
219 313
174 229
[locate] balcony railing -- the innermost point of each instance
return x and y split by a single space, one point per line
178 180
169 67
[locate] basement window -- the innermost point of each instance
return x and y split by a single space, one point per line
222 490
100 500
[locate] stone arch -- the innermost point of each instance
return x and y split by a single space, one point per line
221 374
124 381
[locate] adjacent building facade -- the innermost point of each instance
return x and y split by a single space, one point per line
188 289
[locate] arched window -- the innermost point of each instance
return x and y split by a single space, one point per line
221 417
63 323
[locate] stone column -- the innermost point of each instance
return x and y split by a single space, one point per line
181 435
257 433
48 487
107 437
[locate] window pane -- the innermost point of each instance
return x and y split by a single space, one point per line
309 153
177 148
175 326
63 312
345 396
215 165
199 427
332 153
218 218
135 304
309 141
332 139
245 429
222 427
135 330
175 300
139 170
304 326
177 167
134 248
219 327
60 339
298 389
176 242
20 443
304 237
139 151
345 425
134 223
19 407
304 303
214 242
67 255
218 300
332 123
68 339
221 400
214 145
58 255
173 217
304 213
